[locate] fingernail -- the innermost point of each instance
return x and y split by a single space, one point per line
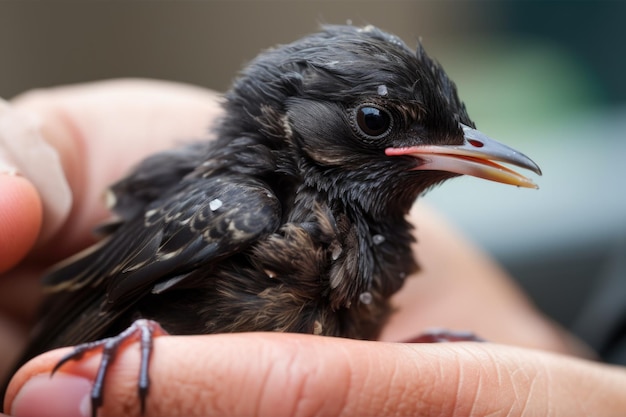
62 395
7 167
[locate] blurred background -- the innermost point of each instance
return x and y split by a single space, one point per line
544 76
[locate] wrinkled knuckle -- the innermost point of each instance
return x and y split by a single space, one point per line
496 385
395 396
297 385
290 385
470 382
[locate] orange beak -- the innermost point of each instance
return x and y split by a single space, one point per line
476 157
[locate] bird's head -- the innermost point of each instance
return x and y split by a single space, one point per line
368 119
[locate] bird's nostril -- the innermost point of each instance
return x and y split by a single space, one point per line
476 143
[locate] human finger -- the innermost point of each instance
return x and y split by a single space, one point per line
20 219
293 375
99 130
20 223
102 129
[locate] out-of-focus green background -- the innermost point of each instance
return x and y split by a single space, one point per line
544 76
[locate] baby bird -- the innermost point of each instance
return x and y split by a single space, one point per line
294 218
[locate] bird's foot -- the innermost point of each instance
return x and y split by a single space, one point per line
443 335
145 331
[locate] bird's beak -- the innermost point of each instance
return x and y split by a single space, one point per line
474 157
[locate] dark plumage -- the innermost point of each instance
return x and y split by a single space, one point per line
293 219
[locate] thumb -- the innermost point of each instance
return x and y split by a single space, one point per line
20 219
294 375
24 150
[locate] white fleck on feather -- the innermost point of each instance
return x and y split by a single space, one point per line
336 251
215 204
365 297
110 199
317 327
378 239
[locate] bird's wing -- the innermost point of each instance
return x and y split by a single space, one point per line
146 182
206 220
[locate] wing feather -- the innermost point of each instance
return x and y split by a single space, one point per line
205 221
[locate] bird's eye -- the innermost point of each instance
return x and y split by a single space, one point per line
373 122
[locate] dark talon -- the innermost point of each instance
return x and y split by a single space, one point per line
146 330
146 352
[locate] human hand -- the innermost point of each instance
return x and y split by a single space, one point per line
273 374
99 131
206 375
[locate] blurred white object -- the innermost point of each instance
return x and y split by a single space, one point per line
23 151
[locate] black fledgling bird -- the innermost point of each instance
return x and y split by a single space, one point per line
293 219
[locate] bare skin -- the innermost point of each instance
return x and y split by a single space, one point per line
100 130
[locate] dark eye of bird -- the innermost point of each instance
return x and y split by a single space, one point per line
373 122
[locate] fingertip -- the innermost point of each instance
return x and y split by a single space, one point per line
66 395
220 375
21 217
39 365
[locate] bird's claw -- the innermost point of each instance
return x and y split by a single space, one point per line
443 335
142 329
